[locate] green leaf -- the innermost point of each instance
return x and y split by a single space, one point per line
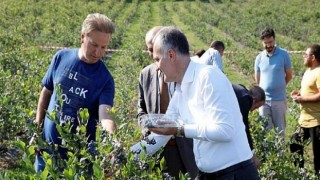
70 154
83 129
49 162
44 173
30 114
163 163
68 173
97 171
31 150
122 125
21 144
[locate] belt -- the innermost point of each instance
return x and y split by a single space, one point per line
227 170
171 142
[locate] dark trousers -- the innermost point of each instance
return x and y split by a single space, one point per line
179 157
299 139
174 164
245 170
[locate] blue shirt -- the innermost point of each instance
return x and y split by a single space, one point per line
82 85
272 71
211 57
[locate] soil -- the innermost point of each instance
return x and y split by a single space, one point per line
5 160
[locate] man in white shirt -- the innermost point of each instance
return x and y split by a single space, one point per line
207 105
177 152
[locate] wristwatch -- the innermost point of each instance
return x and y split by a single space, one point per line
180 131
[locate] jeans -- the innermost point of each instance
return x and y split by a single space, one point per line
275 112
39 164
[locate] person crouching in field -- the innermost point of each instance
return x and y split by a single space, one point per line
249 100
309 99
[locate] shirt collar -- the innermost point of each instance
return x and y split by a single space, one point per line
188 75
276 50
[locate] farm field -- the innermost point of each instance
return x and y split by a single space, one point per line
31 31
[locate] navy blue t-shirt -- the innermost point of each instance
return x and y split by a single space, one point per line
82 85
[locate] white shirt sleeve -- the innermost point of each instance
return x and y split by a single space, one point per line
151 147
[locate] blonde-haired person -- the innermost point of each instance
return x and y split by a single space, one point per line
85 82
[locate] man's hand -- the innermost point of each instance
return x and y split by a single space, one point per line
108 125
106 120
297 99
296 96
164 131
256 160
295 93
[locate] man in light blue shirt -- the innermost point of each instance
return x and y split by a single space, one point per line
213 56
272 73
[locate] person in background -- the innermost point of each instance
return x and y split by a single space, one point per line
249 100
178 151
197 55
207 105
84 82
213 56
309 99
273 72
219 46
200 52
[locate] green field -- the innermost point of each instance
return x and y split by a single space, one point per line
31 31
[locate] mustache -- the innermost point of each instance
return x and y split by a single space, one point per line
269 48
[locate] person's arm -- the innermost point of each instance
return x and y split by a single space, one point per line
43 104
304 99
219 116
245 107
142 108
158 138
288 75
256 160
257 77
257 69
151 144
105 118
218 60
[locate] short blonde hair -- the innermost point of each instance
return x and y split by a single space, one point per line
97 22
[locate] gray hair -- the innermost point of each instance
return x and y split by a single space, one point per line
172 38
152 33
97 22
